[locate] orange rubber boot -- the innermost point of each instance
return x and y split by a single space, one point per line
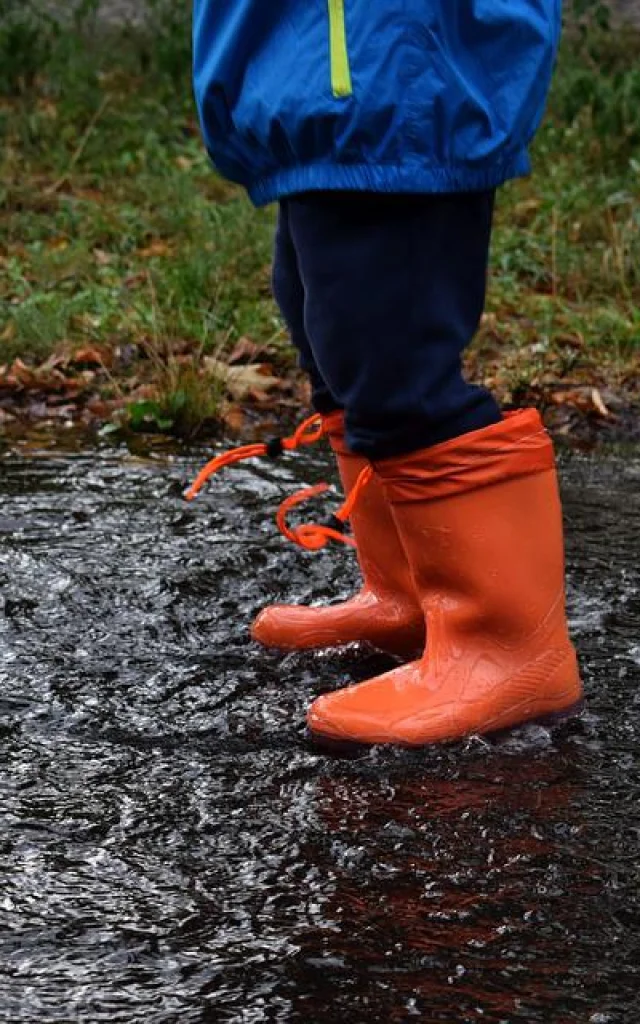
385 613
480 519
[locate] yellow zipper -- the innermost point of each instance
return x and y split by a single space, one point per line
340 70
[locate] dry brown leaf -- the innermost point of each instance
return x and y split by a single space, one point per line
48 108
143 393
586 399
103 408
134 279
244 351
526 207
258 396
102 258
233 417
156 248
58 244
59 358
90 356
21 373
489 321
92 195
598 403
87 321
240 381
303 391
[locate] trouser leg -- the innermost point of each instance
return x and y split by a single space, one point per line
394 289
290 297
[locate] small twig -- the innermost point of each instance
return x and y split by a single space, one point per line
80 147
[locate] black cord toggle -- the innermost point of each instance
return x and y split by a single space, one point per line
273 448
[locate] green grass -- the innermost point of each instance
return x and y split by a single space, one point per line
114 229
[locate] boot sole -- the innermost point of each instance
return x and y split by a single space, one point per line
355 748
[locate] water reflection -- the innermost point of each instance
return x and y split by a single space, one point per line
445 885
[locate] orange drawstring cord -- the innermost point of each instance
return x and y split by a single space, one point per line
310 431
314 536
311 536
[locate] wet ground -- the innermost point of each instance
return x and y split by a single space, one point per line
172 852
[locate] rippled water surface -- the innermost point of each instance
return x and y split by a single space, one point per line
172 851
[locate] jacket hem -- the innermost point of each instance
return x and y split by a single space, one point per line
401 178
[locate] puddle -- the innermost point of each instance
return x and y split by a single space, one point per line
172 851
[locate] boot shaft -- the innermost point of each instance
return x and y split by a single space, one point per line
381 555
490 556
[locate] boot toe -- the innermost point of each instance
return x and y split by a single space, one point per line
291 627
279 626
331 726
263 628
363 714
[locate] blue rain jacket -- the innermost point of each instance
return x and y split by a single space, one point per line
379 95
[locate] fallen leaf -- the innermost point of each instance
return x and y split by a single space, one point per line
143 393
258 395
489 321
586 399
89 356
303 391
103 408
526 207
102 258
598 403
87 320
233 417
21 373
240 381
48 108
92 195
134 279
244 351
156 248
57 359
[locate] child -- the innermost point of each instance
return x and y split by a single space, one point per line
383 128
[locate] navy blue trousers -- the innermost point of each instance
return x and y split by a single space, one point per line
381 295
